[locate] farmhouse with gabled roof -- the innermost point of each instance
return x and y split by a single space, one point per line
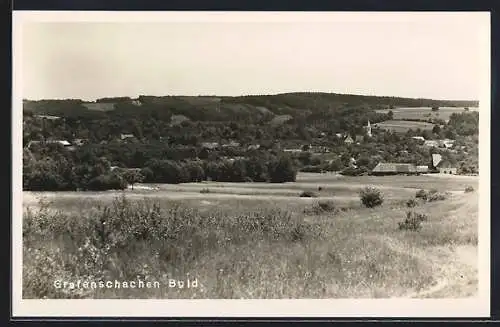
388 168
442 166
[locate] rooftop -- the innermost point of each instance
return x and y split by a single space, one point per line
390 167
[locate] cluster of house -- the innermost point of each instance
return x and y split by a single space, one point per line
437 165
348 139
444 143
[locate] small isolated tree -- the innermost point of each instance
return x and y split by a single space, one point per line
435 108
390 114
466 109
371 197
133 176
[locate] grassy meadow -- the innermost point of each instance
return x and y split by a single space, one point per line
402 126
424 113
256 240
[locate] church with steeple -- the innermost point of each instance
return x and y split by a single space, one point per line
368 128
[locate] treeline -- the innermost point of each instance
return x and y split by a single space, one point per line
56 169
322 100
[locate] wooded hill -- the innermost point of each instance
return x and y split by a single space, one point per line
252 109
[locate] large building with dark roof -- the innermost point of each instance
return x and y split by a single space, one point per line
387 168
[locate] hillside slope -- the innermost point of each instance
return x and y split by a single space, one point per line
250 108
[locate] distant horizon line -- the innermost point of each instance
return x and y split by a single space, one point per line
251 95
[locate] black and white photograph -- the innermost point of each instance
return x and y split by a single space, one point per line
336 163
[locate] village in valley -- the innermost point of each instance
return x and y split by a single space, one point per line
436 163
319 150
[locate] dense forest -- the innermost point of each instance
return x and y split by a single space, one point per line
243 109
171 136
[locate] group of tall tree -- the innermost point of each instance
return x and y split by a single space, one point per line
52 167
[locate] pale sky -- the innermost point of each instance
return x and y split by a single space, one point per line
435 57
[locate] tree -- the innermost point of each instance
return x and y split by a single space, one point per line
436 129
148 174
435 108
390 115
282 170
196 172
133 176
257 170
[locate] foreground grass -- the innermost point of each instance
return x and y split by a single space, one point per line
241 252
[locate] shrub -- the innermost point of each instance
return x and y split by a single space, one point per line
436 197
413 221
326 205
469 189
308 194
302 231
298 233
421 194
411 203
205 190
371 197
321 207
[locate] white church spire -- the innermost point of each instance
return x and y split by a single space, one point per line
369 129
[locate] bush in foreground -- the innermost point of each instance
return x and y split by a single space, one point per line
105 242
327 205
431 196
413 221
436 196
371 197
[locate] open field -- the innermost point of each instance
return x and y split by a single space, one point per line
402 126
256 240
425 113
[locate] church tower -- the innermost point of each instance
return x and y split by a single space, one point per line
369 129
